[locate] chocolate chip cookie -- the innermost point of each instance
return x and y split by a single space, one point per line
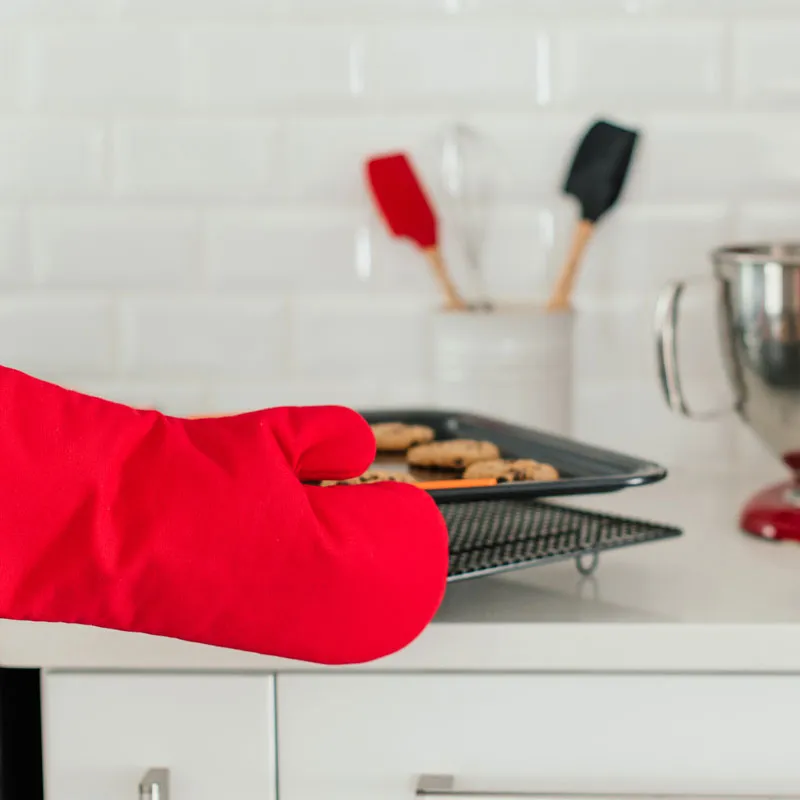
395 437
507 470
373 476
452 454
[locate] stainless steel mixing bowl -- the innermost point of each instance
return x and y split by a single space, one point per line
758 319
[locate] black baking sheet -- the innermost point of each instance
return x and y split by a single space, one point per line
584 469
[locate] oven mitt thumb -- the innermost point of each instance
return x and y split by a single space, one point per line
205 530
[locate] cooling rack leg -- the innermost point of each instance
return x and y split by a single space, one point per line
587 564
588 567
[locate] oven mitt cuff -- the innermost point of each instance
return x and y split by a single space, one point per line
205 529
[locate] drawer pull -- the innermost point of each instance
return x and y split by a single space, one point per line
154 785
444 786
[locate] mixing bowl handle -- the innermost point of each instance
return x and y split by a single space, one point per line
666 324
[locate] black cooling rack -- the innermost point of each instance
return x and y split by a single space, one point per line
501 535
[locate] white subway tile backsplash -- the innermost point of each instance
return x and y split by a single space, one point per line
649 64
519 253
530 152
458 64
116 248
290 251
184 221
404 394
611 346
617 343
55 10
233 397
169 337
287 250
11 72
775 170
603 9
531 403
344 337
51 159
104 69
759 7
326 155
767 63
55 337
379 10
361 393
691 158
284 66
196 9
177 399
764 221
197 159
631 416
639 248
13 253
525 10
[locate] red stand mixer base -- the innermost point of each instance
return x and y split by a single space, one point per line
774 513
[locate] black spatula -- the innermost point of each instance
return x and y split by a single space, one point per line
595 179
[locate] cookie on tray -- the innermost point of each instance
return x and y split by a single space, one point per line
507 470
373 476
395 437
452 454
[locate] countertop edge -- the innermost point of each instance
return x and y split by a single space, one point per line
549 647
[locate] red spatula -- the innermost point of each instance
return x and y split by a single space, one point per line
404 205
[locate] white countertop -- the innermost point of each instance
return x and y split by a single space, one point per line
711 600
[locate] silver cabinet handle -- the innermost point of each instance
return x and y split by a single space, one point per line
444 786
155 784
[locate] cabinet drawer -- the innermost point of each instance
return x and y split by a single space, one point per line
102 733
364 737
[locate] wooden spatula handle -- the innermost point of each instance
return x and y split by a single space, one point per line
440 271
561 299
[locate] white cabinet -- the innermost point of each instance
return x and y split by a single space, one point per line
213 733
371 737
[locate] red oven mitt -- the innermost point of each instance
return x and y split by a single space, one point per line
201 529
